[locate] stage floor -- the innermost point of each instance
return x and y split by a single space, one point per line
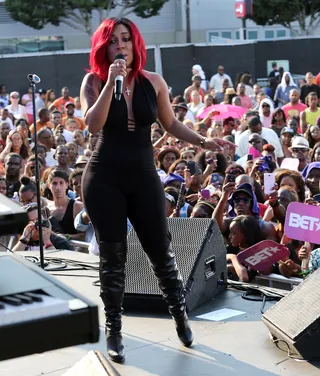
238 345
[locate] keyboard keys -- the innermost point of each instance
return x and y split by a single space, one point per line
11 300
35 297
24 298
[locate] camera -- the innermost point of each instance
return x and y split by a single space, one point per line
266 166
44 222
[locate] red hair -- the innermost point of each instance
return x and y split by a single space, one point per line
99 63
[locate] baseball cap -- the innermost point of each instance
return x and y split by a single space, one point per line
244 188
172 177
287 130
181 105
68 104
42 91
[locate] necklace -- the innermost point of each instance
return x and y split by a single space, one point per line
128 91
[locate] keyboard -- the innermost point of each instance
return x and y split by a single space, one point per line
13 218
38 313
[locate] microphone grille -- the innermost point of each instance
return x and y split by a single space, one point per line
120 57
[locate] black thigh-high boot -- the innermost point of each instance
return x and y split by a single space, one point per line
112 279
170 282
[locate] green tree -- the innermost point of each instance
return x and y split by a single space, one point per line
77 13
285 12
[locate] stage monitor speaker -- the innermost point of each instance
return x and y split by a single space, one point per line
294 322
201 257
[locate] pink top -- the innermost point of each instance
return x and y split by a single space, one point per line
246 101
295 110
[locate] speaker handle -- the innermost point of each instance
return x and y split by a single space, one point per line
210 267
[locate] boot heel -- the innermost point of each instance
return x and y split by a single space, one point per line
115 348
183 329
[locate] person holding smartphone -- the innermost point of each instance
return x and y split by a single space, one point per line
242 201
122 163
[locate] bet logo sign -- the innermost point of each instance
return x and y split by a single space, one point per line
303 222
263 255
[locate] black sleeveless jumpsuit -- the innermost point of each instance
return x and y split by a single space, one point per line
121 182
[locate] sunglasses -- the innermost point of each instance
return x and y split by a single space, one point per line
265 105
254 142
15 97
235 171
296 150
245 200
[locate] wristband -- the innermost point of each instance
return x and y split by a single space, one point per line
23 241
68 237
48 245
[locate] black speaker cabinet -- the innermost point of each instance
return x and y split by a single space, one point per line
294 322
201 257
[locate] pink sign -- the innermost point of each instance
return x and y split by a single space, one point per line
290 164
303 222
263 255
254 152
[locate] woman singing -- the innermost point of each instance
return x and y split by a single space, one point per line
122 163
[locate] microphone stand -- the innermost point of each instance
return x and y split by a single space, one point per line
37 175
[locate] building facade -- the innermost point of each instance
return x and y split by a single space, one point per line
212 21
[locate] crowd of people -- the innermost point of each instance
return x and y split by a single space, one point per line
274 130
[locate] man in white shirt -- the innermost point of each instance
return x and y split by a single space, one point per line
45 137
255 126
4 116
56 120
77 108
217 80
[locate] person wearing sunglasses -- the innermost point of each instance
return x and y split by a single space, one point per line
300 149
242 201
266 109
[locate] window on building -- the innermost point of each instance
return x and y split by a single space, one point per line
269 34
281 33
226 34
212 36
237 34
252 34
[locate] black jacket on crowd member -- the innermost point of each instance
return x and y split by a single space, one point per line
306 89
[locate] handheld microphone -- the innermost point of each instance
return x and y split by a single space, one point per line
118 81
33 78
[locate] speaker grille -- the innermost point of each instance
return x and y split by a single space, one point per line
187 240
299 309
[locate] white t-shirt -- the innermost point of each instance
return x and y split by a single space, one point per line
78 113
67 135
217 80
9 121
267 134
20 113
50 161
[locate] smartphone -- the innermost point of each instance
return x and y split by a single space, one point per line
209 161
231 178
205 193
215 178
191 165
316 197
249 157
269 182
